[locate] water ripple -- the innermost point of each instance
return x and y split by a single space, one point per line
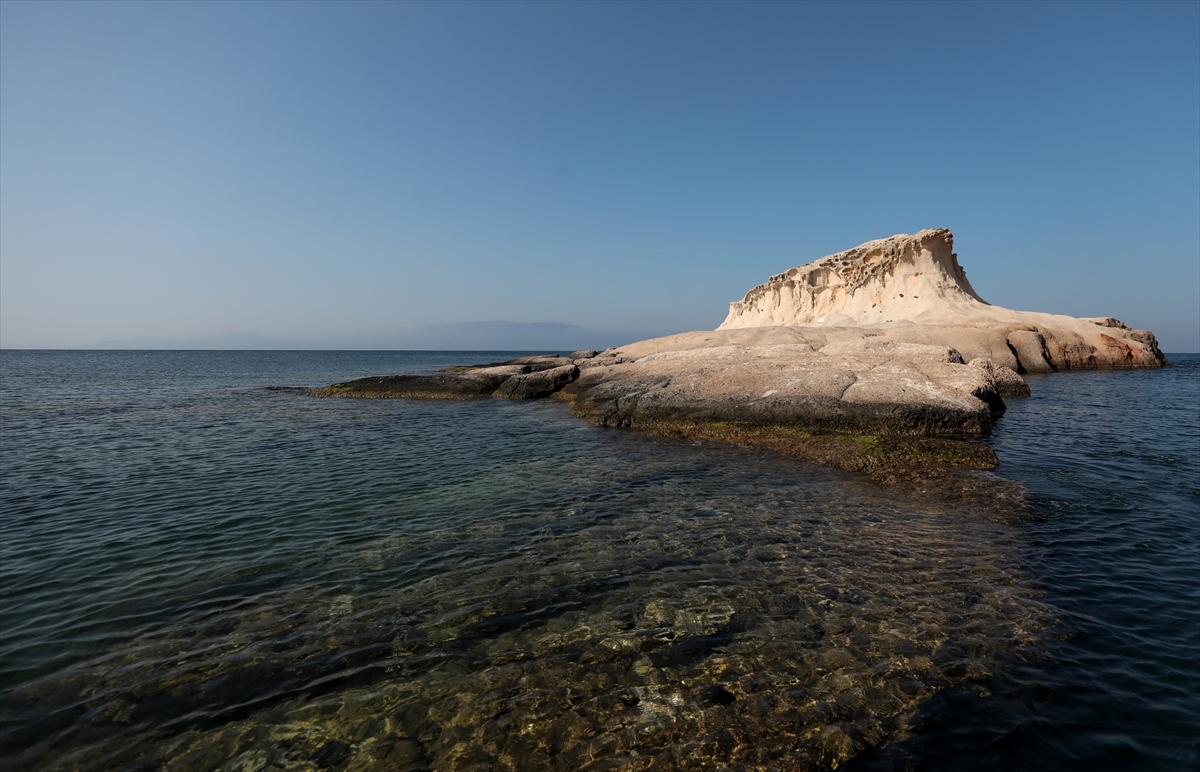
200 573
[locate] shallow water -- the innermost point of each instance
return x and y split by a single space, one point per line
201 573
1112 463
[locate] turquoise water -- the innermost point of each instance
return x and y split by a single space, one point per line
200 572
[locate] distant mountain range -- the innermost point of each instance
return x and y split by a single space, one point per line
464 336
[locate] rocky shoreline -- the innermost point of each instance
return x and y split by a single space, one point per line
888 442
799 366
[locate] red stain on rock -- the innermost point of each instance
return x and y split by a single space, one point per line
1111 342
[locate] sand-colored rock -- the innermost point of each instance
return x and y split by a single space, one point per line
861 360
821 380
912 288
874 340
1008 382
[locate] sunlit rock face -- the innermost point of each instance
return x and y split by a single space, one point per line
912 289
915 278
885 340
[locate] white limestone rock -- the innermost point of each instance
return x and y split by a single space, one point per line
912 288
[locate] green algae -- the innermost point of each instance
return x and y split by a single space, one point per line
878 455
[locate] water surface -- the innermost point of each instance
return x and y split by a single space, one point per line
201 573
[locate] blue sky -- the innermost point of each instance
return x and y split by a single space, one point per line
309 170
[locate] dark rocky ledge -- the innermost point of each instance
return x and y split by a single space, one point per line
896 443
524 378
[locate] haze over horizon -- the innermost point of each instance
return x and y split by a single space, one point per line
313 171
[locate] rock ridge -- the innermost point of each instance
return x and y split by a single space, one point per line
913 288
868 284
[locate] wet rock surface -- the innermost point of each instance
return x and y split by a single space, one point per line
522 378
542 383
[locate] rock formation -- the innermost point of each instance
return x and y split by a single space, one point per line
787 376
524 378
912 289
862 360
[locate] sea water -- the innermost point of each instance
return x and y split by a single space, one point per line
201 570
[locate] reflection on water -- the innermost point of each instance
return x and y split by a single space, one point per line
658 606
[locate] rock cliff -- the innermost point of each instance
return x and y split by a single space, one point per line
912 289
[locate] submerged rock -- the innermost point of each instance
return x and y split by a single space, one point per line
470 384
658 620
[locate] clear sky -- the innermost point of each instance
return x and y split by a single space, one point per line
308 169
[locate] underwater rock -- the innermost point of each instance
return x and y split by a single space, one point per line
783 634
444 385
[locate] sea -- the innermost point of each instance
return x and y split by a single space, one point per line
202 567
